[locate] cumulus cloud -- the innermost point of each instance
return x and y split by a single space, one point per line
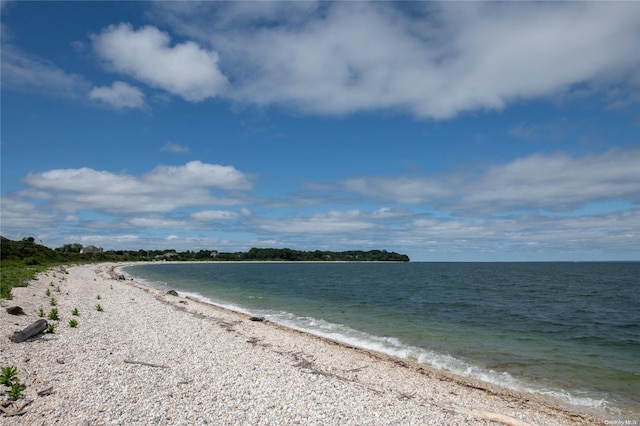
434 60
185 69
119 95
163 189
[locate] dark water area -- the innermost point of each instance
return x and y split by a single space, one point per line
567 330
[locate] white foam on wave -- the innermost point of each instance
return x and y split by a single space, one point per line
395 347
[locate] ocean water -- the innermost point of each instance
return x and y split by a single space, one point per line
570 331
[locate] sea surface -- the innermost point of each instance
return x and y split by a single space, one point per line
570 331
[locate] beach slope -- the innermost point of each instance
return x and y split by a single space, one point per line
153 358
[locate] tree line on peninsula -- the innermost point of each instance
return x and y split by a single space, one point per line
21 260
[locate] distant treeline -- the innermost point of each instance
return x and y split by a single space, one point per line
22 259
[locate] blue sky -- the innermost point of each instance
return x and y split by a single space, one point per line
446 131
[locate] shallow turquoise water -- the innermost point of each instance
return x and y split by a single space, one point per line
569 330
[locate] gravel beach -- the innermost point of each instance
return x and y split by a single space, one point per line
152 358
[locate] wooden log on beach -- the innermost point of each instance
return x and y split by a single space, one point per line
32 330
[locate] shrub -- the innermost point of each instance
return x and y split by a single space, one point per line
51 328
75 312
73 323
53 314
41 313
9 378
52 302
47 293
9 375
16 390
98 308
98 297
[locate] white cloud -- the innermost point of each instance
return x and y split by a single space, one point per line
433 59
334 222
552 182
174 147
185 70
119 95
211 215
558 182
196 173
163 189
24 72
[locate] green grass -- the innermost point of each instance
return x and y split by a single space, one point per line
75 312
73 323
98 308
9 378
53 314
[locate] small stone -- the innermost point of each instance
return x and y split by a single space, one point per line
15 310
172 293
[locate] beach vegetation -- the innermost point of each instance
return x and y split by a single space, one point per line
9 378
98 297
75 312
73 323
52 302
15 391
47 293
41 313
98 307
9 375
51 327
53 314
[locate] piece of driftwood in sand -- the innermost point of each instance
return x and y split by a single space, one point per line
32 330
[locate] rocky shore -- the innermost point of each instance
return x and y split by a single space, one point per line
144 357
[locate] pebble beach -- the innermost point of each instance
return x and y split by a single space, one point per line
152 358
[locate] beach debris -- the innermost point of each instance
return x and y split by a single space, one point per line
489 415
257 319
7 411
32 330
148 364
46 392
15 310
172 293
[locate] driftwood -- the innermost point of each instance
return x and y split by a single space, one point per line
172 293
45 392
32 330
10 412
148 364
257 319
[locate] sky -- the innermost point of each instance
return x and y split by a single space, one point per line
447 131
